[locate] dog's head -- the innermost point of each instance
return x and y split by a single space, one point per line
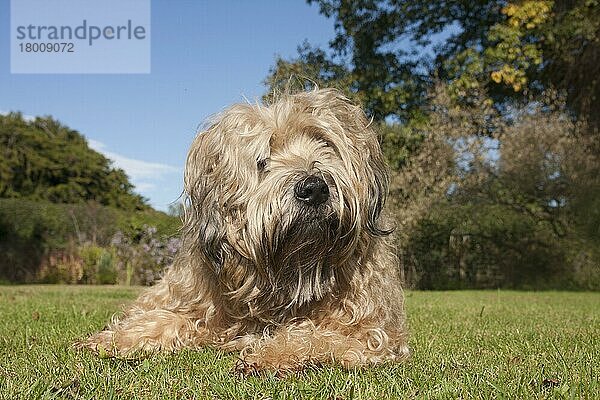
289 187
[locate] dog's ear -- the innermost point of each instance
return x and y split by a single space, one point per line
378 189
358 127
203 220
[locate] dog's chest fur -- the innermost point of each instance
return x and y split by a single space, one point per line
280 293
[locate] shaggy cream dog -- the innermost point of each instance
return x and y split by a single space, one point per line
285 257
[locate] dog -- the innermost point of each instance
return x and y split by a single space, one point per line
286 256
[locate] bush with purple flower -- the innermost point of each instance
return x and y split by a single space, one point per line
141 259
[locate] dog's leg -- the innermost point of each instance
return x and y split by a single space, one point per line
365 326
148 330
157 321
293 347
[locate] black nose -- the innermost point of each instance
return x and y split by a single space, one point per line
312 190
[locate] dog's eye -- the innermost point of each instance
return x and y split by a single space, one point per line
329 144
261 164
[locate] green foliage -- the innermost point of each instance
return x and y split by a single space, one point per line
133 224
28 231
141 259
399 142
383 85
485 246
487 201
44 160
106 271
385 53
61 203
68 243
99 264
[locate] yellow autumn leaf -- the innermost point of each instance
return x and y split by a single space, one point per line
509 10
497 76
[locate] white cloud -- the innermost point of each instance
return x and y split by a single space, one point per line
161 183
137 170
145 186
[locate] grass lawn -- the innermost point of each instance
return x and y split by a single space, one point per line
465 344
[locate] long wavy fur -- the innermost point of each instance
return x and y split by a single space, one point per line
286 284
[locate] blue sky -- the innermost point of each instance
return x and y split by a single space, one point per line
205 55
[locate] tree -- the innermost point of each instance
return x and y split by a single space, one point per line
386 53
45 160
488 201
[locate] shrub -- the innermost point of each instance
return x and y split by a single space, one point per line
106 270
142 259
38 237
98 264
499 198
61 267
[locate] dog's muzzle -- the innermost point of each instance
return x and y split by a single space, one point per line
312 191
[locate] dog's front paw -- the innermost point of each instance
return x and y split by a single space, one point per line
245 368
101 343
279 364
251 368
